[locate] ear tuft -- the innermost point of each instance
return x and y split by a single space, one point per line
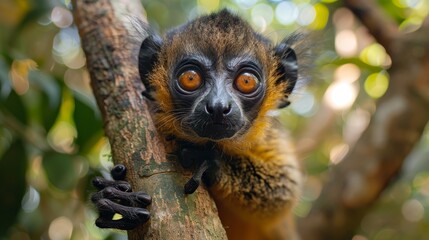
148 56
287 70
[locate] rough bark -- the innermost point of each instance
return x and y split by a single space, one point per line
397 125
130 130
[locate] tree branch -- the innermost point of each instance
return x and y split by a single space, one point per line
129 127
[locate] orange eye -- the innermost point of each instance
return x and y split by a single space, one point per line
190 80
246 83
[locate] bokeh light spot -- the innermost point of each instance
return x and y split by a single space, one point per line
412 3
307 14
61 136
31 200
262 15
321 18
66 45
61 17
347 73
413 210
374 54
411 24
246 3
75 60
60 228
346 43
304 104
338 152
340 95
286 13
343 19
376 84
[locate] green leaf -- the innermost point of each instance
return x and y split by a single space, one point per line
61 170
87 119
13 165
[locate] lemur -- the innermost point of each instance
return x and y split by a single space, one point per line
213 82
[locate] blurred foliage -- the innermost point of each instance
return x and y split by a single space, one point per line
51 139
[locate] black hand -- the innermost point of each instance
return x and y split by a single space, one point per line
202 159
193 183
116 197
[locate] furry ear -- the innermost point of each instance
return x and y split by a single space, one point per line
148 56
287 70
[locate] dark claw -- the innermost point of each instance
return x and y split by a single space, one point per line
191 186
101 183
109 208
137 199
98 182
131 216
118 172
193 183
118 224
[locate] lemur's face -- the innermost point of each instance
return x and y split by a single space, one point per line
217 80
217 99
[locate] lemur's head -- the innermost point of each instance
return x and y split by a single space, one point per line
215 78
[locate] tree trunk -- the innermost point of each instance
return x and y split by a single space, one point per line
112 64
